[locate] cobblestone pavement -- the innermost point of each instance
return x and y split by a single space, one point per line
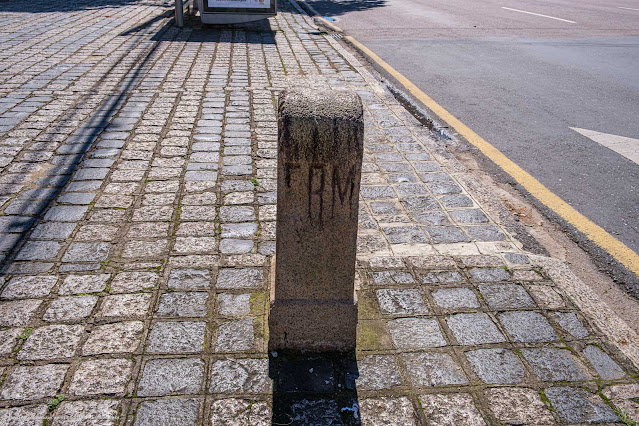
137 200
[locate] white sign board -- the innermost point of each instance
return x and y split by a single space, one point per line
244 4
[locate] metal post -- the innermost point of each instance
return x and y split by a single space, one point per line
179 13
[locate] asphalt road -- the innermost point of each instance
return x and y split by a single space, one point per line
522 81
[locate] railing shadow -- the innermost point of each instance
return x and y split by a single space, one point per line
314 389
34 202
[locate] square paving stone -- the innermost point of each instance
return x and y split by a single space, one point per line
27 287
9 241
34 382
420 203
171 376
168 412
79 284
240 376
236 214
183 304
445 234
39 250
605 366
233 246
496 366
552 364
527 326
506 296
18 313
144 249
101 376
86 252
469 216
148 230
176 337
392 277
443 277
377 192
387 411
235 336
8 339
518 406
570 324
433 369
239 230
405 234
401 301
66 213
416 333
579 406
125 305
120 337
234 304
189 279
378 372
131 282
54 341
76 413
194 245
451 409
70 308
24 416
97 233
9 224
455 298
517 258
485 233
233 411
489 274
76 198
239 278
474 329
454 201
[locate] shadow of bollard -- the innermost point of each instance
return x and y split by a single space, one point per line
314 389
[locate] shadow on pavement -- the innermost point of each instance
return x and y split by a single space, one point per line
314 389
340 7
32 203
48 6
258 32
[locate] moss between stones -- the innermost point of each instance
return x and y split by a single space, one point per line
372 335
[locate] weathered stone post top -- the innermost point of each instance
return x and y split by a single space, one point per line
320 154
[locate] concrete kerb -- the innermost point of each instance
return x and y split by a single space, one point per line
598 312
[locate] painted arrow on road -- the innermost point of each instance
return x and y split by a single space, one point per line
628 147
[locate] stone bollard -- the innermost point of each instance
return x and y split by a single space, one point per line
313 307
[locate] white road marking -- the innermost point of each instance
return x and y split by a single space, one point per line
628 147
628 8
539 14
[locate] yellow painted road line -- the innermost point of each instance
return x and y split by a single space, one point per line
622 253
